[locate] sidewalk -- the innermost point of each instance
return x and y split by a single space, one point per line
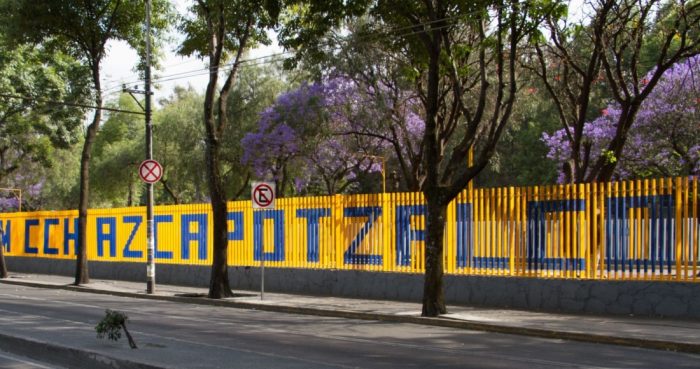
652 333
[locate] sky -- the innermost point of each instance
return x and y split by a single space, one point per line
118 66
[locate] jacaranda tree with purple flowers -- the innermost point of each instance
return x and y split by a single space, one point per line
463 63
304 141
620 49
664 139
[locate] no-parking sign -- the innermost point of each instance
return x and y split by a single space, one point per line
150 171
263 195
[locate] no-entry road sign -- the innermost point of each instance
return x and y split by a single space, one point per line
150 171
263 195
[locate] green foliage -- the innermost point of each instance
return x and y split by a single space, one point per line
117 152
111 325
237 15
60 181
256 89
609 156
31 131
179 146
521 156
83 28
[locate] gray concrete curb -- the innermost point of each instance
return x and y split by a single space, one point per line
440 322
66 356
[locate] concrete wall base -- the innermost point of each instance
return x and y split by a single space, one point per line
668 299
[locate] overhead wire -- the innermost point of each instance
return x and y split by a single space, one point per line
369 36
67 103
266 59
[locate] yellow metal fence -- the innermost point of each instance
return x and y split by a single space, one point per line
644 229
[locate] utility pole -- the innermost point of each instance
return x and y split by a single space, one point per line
150 243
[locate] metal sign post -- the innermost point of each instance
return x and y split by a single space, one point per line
149 171
150 263
263 197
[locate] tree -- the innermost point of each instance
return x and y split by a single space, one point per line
665 135
521 156
612 50
255 90
31 128
464 57
383 82
82 29
304 139
221 30
117 151
111 326
177 138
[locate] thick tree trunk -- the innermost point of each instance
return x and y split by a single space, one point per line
219 286
433 291
81 266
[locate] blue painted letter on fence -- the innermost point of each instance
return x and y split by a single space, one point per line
48 223
277 217
537 234
351 254
199 236
405 235
109 236
313 218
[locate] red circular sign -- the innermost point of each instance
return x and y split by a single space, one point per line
150 171
263 195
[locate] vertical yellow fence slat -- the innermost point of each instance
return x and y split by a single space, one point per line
471 246
522 220
686 229
570 239
338 234
646 239
481 240
532 271
696 227
557 233
591 230
654 243
628 227
580 227
450 235
489 232
511 231
677 191
498 233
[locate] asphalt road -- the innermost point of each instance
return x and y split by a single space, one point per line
195 336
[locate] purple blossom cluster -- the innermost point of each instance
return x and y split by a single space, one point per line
32 191
8 204
327 130
664 139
